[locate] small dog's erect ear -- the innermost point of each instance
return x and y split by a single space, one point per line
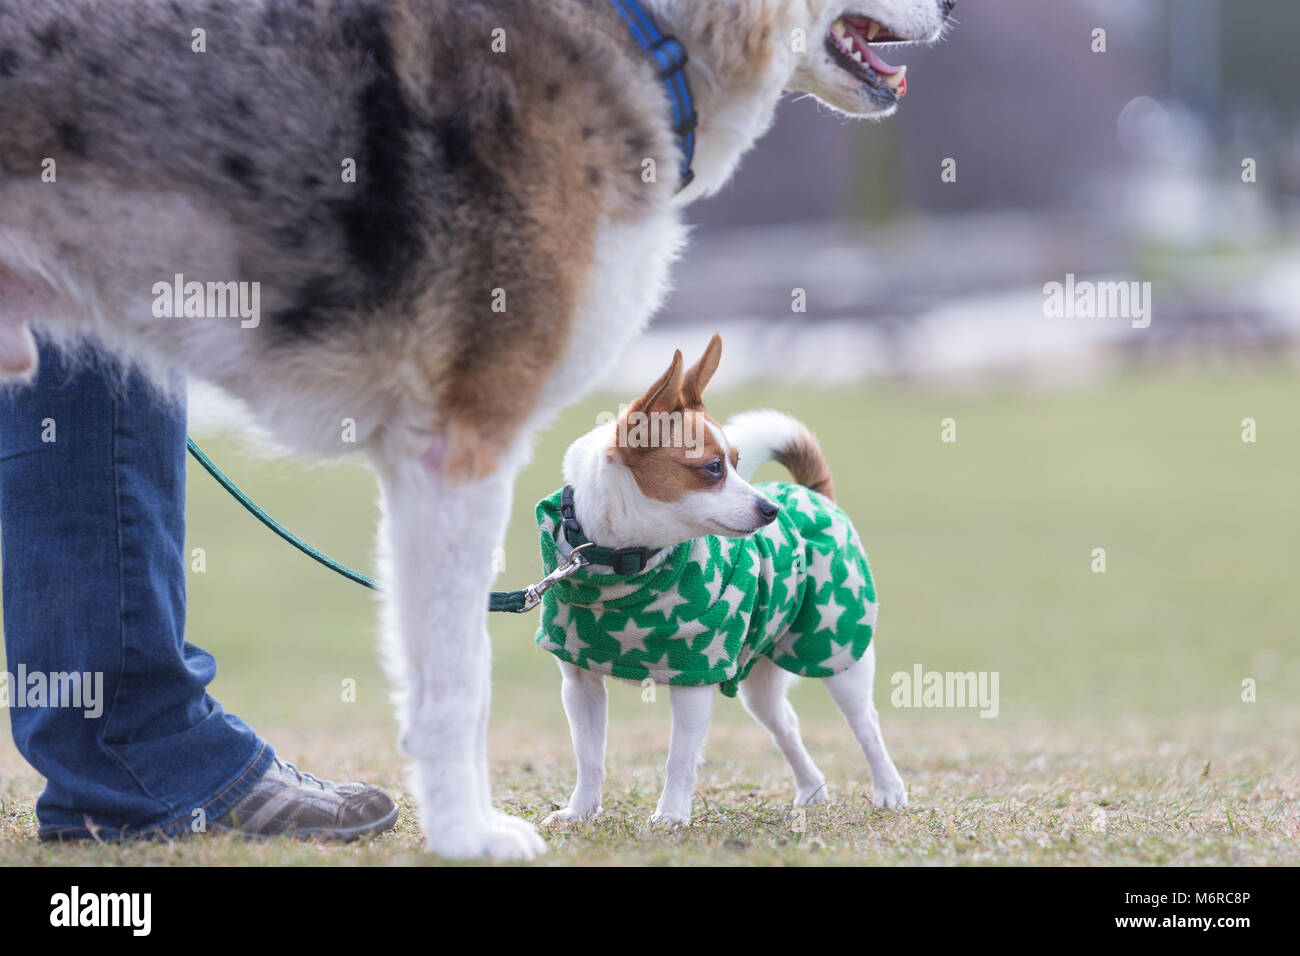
664 395
698 375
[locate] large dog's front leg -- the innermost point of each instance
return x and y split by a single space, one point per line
439 538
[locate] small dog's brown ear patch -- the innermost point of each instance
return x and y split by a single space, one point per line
698 376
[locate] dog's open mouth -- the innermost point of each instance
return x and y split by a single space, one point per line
850 42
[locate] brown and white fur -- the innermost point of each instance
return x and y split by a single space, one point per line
498 247
656 495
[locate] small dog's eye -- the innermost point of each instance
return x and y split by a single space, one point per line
714 468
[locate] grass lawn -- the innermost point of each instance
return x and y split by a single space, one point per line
1121 737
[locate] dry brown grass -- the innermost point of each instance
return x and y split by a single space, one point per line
981 793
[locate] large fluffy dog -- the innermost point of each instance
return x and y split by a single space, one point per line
452 215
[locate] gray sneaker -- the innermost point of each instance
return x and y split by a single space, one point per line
288 802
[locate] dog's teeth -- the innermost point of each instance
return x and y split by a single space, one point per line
873 30
896 80
857 55
838 28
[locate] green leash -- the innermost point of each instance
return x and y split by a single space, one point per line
251 506
515 601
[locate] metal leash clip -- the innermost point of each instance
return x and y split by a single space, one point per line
533 593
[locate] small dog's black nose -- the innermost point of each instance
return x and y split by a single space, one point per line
769 510
945 6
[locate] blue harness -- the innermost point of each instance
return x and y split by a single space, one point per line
671 57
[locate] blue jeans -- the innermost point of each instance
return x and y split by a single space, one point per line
92 522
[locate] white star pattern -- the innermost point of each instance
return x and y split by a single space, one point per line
659 668
667 603
732 597
841 657
689 631
782 596
616 592
716 650
713 583
561 618
630 637
804 505
574 646
855 582
819 568
829 614
839 531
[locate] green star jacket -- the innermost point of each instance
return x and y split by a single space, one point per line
798 591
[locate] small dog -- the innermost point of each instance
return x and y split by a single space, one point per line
414 229
698 578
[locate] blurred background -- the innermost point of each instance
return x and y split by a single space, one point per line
1124 164
925 303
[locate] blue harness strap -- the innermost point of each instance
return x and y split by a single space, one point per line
671 57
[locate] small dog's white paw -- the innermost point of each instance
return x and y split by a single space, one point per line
814 795
573 813
670 819
892 794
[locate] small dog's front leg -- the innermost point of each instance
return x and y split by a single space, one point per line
692 710
586 707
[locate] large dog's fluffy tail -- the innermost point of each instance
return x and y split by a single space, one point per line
766 435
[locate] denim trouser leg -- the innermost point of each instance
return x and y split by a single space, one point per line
93 530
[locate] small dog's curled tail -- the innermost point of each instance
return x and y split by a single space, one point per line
766 435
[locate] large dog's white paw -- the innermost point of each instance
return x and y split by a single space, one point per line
500 837
575 812
891 794
821 793
525 831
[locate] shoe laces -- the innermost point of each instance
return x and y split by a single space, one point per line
300 776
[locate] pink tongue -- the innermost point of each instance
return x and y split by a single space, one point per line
877 64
